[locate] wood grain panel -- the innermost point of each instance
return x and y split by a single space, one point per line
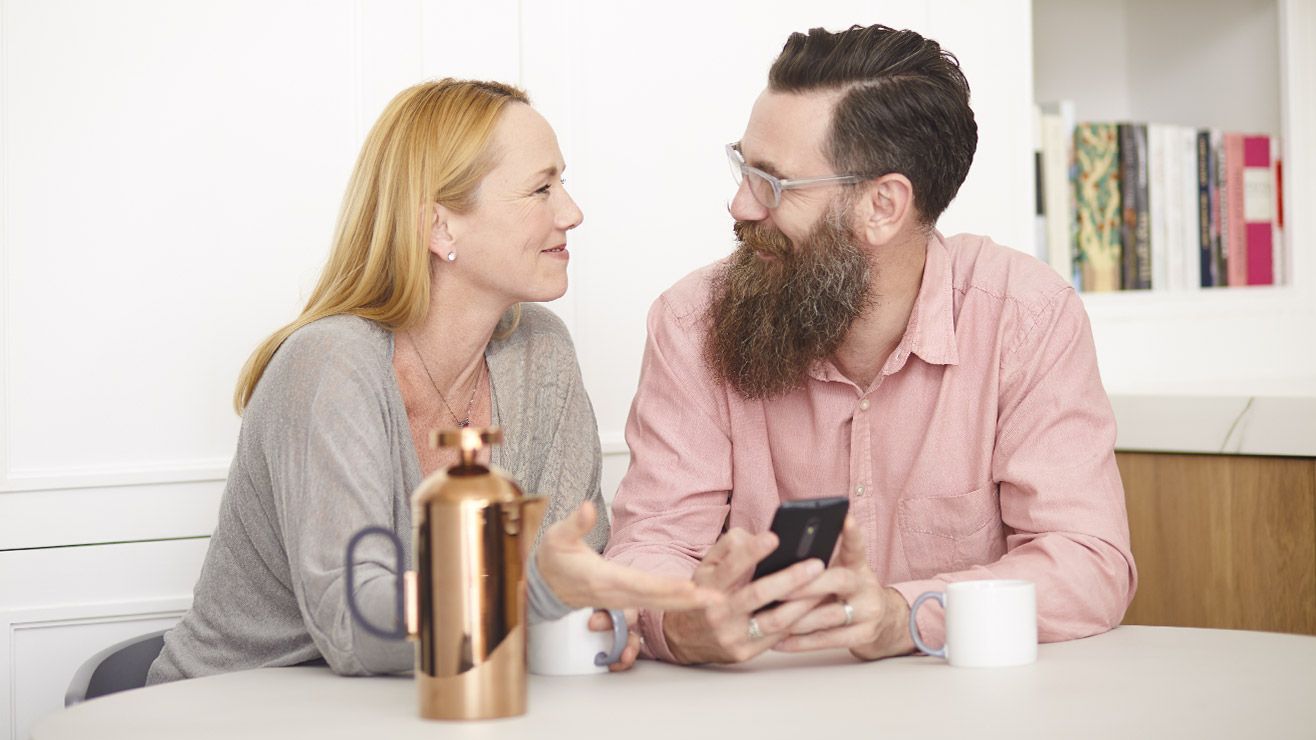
1222 540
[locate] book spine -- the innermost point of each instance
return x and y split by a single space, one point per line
1097 202
1236 231
1219 218
1204 207
1189 225
1137 227
1258 210
1162 218
1132 175
1281 247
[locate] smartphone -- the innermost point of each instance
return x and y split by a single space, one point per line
805 529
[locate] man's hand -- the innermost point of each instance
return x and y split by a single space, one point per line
581 577
725 632
878 619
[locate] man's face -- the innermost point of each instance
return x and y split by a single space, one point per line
798 278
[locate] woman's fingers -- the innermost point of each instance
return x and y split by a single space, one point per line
572 529
732 558
624 587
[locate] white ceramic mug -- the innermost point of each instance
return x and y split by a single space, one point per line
568 647
989 624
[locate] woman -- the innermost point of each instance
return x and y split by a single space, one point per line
455 216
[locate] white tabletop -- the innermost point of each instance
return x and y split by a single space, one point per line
1131 682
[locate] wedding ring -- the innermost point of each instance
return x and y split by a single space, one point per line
849 612
754 632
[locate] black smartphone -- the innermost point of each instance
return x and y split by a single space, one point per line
805 529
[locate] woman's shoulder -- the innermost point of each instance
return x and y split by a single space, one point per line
333 347
540 331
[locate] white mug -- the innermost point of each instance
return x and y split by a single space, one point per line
989 624
568 647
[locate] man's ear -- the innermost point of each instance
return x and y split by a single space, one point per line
439 219
887 207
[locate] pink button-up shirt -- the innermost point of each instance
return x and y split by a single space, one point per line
984 448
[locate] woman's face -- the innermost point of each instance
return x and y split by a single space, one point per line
513 244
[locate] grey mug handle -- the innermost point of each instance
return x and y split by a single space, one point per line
619 635
913 622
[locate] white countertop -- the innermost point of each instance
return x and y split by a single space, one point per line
1131 682
1244 418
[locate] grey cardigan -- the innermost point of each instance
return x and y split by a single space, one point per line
325 450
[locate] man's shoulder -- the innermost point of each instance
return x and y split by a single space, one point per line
688 299
979 265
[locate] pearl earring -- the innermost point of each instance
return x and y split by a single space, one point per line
452 256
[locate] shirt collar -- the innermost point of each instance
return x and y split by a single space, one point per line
931 330
930 333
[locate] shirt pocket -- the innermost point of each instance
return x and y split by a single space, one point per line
941 534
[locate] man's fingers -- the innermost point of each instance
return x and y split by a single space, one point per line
835 581
779 621
732 557
824 617
841 637
852 544
775 587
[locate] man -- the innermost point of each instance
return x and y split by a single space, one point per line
948 386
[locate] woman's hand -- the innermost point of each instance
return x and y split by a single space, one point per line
581 577
601 621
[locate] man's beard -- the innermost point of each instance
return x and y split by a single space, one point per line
770 320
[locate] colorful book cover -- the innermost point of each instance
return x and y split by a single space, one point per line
1235 226
1258 210
1135 272
1097 199
1205 188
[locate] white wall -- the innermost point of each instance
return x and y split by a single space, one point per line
169 177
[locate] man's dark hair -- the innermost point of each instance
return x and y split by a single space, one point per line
905 107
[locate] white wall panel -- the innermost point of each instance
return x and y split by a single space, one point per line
171 178
60 606
997 196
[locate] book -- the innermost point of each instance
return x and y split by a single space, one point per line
1219 215
1189 260
1135 272
1056 130
1205 208
1234 228
1160 203
1097 203
1258 210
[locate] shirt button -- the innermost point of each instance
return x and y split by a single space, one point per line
858 490
863 405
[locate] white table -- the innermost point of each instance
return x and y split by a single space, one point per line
1132 682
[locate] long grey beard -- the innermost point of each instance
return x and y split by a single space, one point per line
771 320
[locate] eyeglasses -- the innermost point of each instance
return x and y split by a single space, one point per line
766 188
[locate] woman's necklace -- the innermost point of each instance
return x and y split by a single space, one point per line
465 421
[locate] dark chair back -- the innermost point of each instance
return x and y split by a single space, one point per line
116 668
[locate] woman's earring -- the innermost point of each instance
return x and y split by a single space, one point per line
452 256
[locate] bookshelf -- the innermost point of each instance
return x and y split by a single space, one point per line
1244 65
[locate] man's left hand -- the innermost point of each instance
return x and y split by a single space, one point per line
876 625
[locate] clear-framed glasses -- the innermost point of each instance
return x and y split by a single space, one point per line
767 188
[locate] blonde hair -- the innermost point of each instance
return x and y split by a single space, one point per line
430 145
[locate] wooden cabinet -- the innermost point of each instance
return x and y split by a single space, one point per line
1224 541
